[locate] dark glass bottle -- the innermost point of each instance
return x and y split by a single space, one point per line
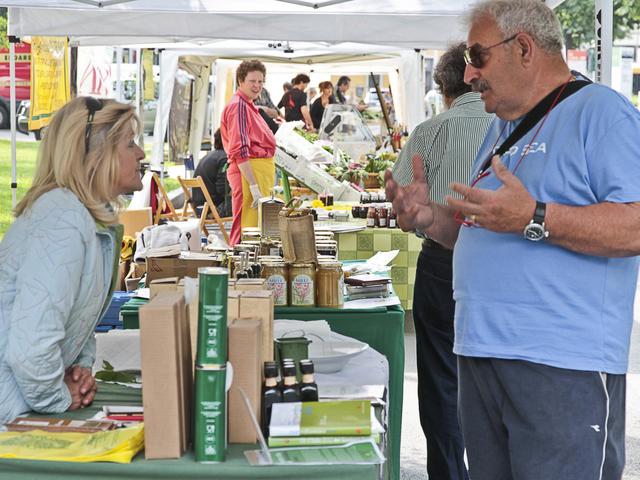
393 220
270 394
308 388
372 217
290 389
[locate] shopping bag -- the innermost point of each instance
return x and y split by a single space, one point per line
297 233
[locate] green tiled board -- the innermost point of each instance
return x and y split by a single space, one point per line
365 243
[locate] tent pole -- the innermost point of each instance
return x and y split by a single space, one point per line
12 117
604 40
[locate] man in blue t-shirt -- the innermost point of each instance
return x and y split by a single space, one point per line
545 267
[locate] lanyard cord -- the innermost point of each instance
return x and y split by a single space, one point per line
484 170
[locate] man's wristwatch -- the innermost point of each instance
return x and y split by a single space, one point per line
535 230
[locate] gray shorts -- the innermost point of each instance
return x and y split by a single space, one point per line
527 421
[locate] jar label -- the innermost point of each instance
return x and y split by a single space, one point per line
383 222
392 223
302 290
371 222
278 285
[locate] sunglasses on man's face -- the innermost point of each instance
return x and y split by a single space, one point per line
476 54
93 105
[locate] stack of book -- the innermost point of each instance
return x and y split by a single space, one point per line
336 422
368 285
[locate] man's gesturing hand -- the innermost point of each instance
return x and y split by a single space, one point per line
411 202
507 209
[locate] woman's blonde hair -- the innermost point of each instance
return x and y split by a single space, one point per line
65 161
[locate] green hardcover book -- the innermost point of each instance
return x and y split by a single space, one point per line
334 418
276 442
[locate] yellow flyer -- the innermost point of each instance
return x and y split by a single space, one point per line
49 79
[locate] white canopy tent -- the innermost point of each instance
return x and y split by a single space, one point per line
400 23
403 70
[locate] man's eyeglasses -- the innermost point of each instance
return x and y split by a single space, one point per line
93 105
476 54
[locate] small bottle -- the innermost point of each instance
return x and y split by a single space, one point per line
393 221
270 394
371 217
382 217
329 201
290 389
308 388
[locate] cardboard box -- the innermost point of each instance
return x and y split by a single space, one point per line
258 305
163 267
135 220
169 284
167 396
250 284
233 305
245 354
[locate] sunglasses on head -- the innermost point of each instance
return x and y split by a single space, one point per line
93 105
476 54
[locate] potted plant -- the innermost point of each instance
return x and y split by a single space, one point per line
375 168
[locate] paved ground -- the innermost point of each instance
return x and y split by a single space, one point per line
413 454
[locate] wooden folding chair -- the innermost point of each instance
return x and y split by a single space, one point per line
208 207
164 202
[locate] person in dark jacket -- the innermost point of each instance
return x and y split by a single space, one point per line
317 108
213 170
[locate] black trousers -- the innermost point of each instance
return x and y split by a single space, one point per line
433 311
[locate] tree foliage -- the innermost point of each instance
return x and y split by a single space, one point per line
577 18
4 43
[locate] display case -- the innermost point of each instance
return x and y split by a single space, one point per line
344 127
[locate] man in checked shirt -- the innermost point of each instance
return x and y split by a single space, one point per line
447 144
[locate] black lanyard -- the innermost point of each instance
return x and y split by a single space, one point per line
533 117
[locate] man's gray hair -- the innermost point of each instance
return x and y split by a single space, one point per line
449 73
528 16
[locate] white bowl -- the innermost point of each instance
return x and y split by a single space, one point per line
331 356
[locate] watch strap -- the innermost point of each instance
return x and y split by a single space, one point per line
539 213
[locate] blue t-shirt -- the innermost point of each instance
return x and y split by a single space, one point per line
536 301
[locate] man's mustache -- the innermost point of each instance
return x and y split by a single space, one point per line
479 85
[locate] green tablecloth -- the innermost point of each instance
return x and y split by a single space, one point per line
186 467
383 330
365 243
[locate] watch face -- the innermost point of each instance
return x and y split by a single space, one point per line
534 231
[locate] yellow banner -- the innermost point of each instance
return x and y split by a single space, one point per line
147 69
49 79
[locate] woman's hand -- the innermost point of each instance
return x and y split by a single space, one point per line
256 194
82 386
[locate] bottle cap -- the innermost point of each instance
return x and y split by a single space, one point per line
270 369
289 370
306 367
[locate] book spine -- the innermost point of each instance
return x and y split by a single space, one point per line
346 430
275 442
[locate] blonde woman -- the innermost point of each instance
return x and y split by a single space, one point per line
58 258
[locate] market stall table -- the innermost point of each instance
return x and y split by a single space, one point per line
383 329
235 466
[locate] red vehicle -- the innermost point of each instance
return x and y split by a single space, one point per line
23 79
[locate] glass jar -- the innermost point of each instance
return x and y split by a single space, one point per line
329 285
276 276
268 246
302 279
327 247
